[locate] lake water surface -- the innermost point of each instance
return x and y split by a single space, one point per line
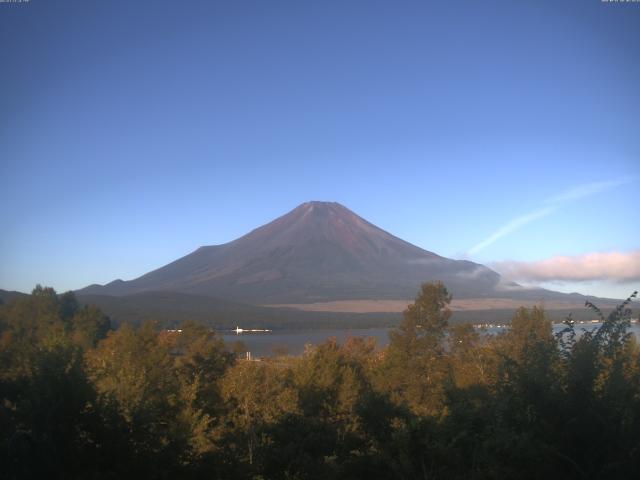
293 341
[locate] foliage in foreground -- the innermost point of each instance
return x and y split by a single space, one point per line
79 400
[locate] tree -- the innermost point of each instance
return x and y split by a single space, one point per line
470 359
256 393
89 325
45 394
138 395
200 362
414 368
601 377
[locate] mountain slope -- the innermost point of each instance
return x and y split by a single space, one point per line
7 296
317 252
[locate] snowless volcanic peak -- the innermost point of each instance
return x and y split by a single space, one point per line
319 251
332 223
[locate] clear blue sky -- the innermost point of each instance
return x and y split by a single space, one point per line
132 132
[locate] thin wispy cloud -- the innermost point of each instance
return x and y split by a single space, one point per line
510 227
614 266
587 190
554 202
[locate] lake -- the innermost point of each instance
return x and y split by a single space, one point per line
293 341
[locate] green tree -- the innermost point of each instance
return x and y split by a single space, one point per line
45 394
414 366
200 363
256 393
601 381
138 395
89 325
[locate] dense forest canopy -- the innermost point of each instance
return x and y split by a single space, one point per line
82 400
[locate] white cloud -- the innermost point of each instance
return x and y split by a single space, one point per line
613 266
